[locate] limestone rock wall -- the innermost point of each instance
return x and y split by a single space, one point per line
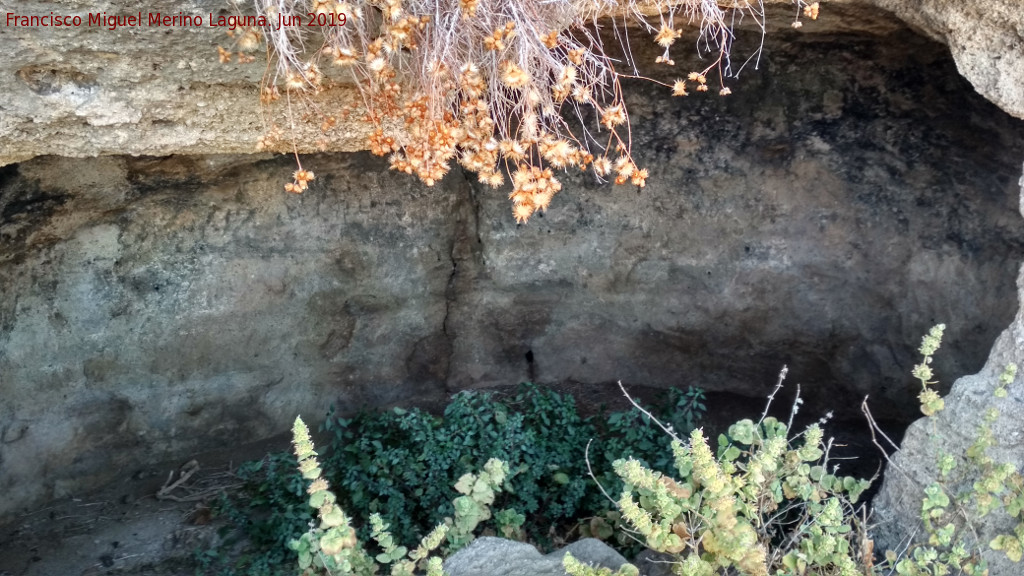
797 216
152 307
986 41
144 90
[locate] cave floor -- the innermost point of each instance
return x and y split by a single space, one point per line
124 528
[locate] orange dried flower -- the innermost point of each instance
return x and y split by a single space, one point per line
666 36
613 116
513 76
468 7
551 39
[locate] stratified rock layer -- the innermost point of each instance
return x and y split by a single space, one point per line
156 90
157 307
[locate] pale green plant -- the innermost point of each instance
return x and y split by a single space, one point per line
333 547
574 567
767 502
474 506
764 503
968 488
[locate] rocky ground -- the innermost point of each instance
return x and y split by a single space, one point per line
137 525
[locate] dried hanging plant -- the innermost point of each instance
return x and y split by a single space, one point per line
485 83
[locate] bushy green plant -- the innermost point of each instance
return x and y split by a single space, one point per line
264 515
401 465
397 463
332 547
633 433
768 503
763 502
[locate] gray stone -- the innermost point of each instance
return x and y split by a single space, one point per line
985 40
488 556
651 563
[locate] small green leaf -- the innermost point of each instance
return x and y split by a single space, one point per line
318 499
1008 544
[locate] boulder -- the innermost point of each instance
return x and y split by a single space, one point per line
489 556
986 41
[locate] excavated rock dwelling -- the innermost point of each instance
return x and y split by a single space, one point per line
161 295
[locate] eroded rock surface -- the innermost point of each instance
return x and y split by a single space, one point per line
800 221
986 40
153 308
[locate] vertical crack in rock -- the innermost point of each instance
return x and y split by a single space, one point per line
1021 203
463 253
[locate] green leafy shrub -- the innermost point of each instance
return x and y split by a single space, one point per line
401 464
333 546
538 432
268 512
766 501
763 502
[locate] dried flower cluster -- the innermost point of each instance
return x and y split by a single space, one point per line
301 179
483 83
810 10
